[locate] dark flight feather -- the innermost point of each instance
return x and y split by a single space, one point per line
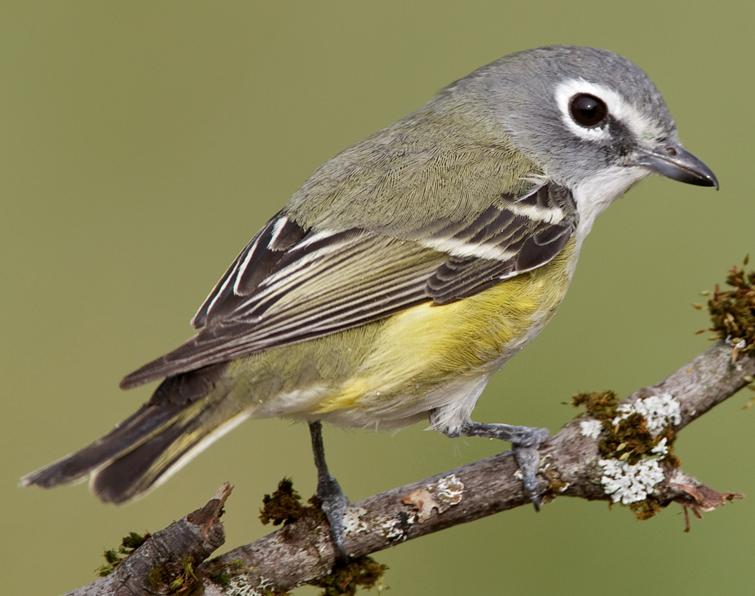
171 398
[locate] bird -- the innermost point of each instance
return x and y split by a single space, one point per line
404 272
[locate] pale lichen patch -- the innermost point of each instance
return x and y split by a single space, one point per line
395 529
629 483
661 448
449 491
635 442
353 522
394 533
590 428
240 586
437 496
659 412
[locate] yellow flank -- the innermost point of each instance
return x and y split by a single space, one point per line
427 345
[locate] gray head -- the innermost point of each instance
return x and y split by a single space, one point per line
589 117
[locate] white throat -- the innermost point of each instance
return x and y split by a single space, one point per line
594 194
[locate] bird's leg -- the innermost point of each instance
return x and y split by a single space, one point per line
524 442
333 501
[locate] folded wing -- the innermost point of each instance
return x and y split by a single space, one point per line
291 284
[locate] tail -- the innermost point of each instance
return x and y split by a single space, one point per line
186 413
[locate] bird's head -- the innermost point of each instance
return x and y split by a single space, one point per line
588 117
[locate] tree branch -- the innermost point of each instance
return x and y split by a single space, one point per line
167 558
613 455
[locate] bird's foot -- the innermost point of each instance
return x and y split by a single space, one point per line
528 460
524 441
333 503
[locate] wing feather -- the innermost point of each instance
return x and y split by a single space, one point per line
292 284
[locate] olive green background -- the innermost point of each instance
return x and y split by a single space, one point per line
143 143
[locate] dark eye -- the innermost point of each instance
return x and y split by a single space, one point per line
588 110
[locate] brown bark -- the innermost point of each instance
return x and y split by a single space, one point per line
168 556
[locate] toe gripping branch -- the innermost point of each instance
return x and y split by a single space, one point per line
524 440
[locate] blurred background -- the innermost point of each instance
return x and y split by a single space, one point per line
143 143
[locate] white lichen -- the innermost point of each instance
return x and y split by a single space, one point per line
394 529
265 583
591 428
629 483
395 533
353 522
449 491
659 411
435 497
661 448
240 586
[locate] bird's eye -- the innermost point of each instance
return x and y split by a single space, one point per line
587 110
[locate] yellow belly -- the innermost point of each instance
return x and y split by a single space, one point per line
428 345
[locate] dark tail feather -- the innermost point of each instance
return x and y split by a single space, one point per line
160 456
128 433
177 408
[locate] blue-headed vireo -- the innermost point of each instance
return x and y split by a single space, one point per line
405 271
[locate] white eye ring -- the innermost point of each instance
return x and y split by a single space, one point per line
618 108
568 90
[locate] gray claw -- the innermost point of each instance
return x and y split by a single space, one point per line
528 460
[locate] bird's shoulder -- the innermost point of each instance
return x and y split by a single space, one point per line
431 166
